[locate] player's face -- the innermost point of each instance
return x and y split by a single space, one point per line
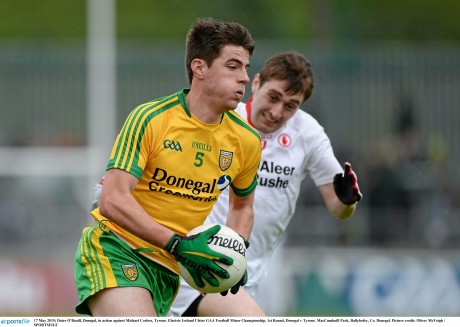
271 106
225 79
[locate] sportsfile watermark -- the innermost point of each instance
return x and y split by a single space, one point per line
266 321
16 321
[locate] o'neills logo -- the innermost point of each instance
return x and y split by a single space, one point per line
228 243
201 146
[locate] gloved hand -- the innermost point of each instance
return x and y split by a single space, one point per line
243 279
346 186
195 255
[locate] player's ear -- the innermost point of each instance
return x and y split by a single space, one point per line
255 82
198 66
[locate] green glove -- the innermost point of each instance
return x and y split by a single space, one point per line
243 281
195 255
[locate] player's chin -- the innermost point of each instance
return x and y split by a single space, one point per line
268 127
232 104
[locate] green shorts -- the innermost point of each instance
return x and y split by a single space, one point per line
103 261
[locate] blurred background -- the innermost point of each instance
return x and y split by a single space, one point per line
387 92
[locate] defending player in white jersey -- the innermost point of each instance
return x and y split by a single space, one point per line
294 145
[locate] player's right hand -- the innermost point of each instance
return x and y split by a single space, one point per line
195 255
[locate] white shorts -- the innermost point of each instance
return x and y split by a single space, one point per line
187 294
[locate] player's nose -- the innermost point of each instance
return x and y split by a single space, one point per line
244 77
276 111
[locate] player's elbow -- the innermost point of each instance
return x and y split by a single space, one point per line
343 211
105 207
344 216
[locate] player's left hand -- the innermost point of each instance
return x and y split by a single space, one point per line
194 254
346 186
242 281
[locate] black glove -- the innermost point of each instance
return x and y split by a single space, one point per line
346 186
195 255
235 288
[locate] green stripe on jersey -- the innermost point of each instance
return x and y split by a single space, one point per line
127 152
242 123
246 191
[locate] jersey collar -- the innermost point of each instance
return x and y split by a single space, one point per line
181 95
248 111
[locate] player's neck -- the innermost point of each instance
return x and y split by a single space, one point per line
202 108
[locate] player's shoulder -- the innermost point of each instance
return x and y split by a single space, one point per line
242 126
304 123
158 106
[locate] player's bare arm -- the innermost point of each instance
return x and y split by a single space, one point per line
333 204
119 205
241 213
342 195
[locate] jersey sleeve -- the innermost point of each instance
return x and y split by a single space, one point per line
323 165
131 148
246 181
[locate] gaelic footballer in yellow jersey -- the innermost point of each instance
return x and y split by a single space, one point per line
182 165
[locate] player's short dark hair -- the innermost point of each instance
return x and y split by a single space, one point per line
290 66
207 36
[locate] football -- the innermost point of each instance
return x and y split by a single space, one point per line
227 242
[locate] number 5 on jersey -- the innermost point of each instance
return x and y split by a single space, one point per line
199 159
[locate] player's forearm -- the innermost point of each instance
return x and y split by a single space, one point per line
334 205
241 214
341 210
126 212
241 220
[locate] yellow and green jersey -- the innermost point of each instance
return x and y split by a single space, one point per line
182 165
